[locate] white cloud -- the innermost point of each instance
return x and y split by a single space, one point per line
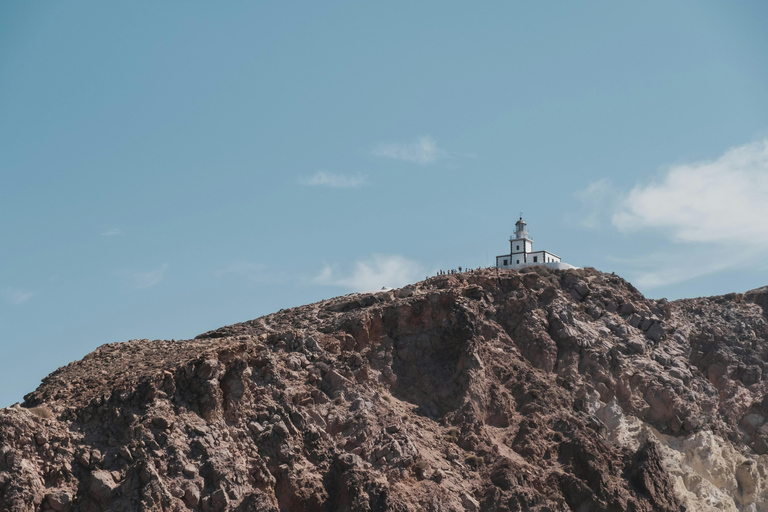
326 179
700 207
724 201
111 232
373 274
149 279
424 151
16 296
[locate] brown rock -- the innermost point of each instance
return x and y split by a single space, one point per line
650 477
102 486
59 500
192 496
487 390
219 500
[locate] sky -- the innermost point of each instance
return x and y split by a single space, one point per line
167 168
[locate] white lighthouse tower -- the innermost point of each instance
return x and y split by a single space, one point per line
521 253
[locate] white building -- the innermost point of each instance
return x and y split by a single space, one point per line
521 253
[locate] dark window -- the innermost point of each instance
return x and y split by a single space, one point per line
535 259
505 262
518 248
518 261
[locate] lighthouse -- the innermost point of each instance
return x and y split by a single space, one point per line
521 253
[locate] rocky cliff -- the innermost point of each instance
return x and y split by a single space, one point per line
540 390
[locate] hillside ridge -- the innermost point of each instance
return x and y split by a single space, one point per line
494 389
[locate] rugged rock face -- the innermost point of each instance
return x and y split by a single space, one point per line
536 390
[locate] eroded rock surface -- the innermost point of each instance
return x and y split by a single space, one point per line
536 390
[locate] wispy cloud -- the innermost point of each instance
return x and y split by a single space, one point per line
424 151
142 280
111 232
723 201
373 274
327 179
703 206
597 200
677 264
17 296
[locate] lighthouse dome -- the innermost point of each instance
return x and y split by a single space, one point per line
521 230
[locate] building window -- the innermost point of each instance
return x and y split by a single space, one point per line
505 262
535 259
518 262
518 248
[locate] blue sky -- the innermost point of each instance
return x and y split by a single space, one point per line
167 168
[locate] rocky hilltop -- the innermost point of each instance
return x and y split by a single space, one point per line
540 390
